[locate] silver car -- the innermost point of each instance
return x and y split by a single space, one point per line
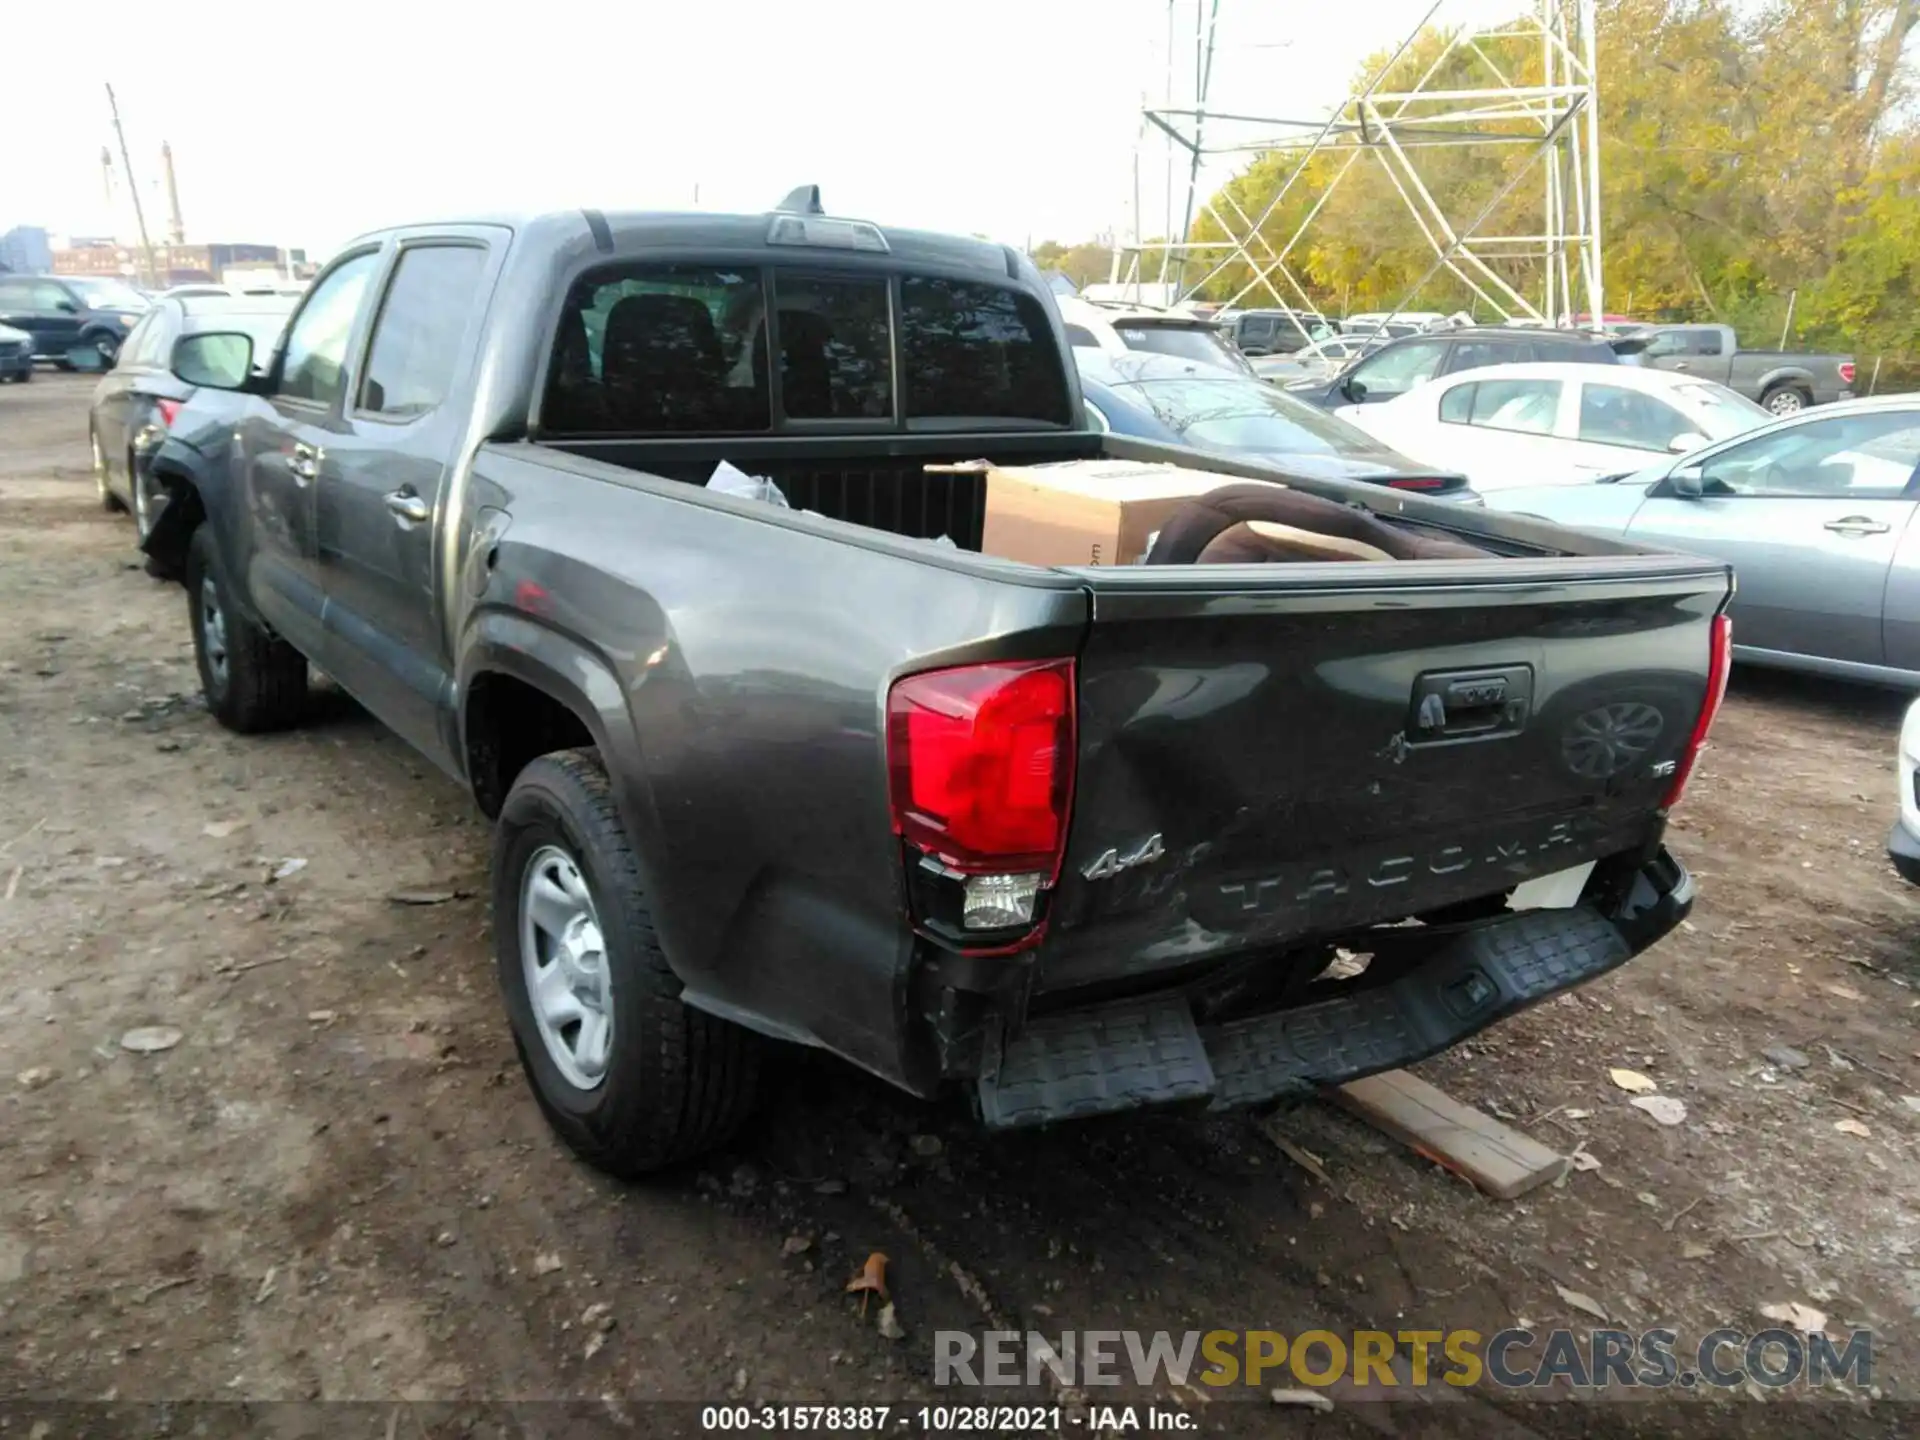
1814 512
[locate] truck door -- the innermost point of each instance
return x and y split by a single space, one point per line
280 445
1810 516
382 485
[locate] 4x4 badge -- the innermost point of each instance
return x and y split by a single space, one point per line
1113 862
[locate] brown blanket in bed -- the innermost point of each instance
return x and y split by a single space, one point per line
1258 523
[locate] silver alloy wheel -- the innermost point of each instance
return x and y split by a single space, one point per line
563 957
213 632
99 467
1786 402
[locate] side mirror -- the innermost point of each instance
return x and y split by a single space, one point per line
215 360
1354 390
1686 443
66 307
1688 484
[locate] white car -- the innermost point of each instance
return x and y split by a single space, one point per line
1551 423
1903 843
1116 329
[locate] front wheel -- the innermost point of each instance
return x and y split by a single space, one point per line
1785 400
252 679
632 1079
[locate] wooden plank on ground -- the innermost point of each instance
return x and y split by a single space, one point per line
1497 1158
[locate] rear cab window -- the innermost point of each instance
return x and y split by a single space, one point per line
655 349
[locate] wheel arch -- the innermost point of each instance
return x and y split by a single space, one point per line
184 512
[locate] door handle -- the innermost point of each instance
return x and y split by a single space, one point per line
304 462
1681 365
409 507
1857 525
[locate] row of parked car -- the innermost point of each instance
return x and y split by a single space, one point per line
1814 502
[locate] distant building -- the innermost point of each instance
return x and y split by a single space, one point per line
26 250
177 264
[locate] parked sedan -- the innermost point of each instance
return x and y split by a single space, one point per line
136 401
1182 402
16 355
1815 513
1545 424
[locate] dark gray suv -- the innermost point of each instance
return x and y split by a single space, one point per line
62 312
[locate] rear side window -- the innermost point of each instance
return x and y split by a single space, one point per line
1528 406
417 336
1081 338
1471 354
972 350
1456 406
660 350
836 359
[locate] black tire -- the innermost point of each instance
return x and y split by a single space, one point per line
677 1082
262 684
109 501
1786 400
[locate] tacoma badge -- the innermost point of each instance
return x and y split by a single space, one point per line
1113 862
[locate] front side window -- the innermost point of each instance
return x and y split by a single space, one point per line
418 335
1615 415
50 299
1863 456
313 368
980 351
1396 370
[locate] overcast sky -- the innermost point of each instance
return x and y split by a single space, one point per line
303 125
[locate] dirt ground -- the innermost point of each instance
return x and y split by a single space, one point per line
336 1187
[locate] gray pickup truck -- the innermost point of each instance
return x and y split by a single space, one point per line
1784 381
1071 840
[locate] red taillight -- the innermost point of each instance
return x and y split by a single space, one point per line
1422 483
1719 664
168 409
981 764
1847 372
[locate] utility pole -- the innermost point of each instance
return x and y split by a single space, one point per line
133 189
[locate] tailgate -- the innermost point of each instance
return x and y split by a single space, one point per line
1263 759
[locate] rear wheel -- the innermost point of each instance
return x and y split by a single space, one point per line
108 500
630 1077
145 502
1786 400
253 680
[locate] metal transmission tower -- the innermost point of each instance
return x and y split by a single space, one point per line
1538 95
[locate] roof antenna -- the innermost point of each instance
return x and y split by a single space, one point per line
802 200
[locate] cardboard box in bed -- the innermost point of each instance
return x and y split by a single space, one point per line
1085 512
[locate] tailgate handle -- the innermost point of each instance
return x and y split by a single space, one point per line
1456 705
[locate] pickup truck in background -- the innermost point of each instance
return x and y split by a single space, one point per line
1784 382
1076 840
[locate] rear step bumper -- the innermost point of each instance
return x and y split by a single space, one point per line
1151 1052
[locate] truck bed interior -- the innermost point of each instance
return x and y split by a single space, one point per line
881 481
